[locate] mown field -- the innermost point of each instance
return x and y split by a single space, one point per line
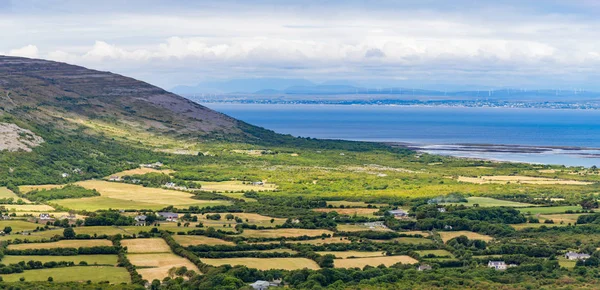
61 244
110 260
115 275
373 261
266 263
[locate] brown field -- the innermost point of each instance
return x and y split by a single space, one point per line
373 261
159 264
235 186
200 240
406 240
504 179
422 233
266 263
349 211
333 240
61 244
446 236
140 171
288 233
351 254
153 245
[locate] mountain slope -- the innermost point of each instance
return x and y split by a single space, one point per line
46 91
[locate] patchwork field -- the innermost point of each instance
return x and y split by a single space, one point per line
152 245
6 193
446 236
28 188
90 259
504 179
549 210
156 265
288 233
266 263
351 254
373 261
115 275
491 202
61 244
406 240
140 171
200 240
33 236
333 240
235 186
350 211
250 218
129 196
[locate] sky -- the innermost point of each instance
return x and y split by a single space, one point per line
457 44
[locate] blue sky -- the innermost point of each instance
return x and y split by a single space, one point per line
421 44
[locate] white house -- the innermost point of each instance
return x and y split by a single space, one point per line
264 285
114 178
424 267
441 209
170 185
64 175
576 256
140 220
169 216
398 213
498 265
45 216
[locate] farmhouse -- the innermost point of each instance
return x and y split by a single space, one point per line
114 178
169 216
258 183
170 185
441 209
424 267
64 175
398 213
5 217
45 216
373 225
263 285
498 265
140 220
576 256
152 165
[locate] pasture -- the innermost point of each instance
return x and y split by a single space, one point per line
549 209
437 253
287 233
156 265
151 245
115 275
18 225
6 193
351 254
90 259
406 240
360 228
200 240
368 212
320 241
28 208
250 218
266 263
373 261
446 236
238 195
235 186
491 202
505 179
61 244
28 188
141 171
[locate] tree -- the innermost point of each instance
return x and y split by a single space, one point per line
229 216
589 203
50 279
7 230
69 233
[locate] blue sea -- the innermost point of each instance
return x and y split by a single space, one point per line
439 129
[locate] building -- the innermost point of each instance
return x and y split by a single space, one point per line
424 267
263 285
64 175
258 183
441 209
576 256
45 216
152 165
5 217
140 220
170 185
498 265
398 213
447 227
114 178
169 216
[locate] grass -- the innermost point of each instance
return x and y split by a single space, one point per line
141 171
90 259
492 202
557 218
373 261
338 203
28 188
154 245
566 263
406 240
200 240
6 193
157 265
438 253
549 210
61 244
503 179
288 233
18 225
360 227
368 212
33 236
238 195
253 219
115 275
446 236
235 186
29 207
266 263
351 254
333 240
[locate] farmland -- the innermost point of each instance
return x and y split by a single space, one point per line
491 202
471 235
156 265
110 260
373 261
287 233
200 240
115 275
61 244
266 263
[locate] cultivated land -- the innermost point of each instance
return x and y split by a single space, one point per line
319 241
550 209
156 265
115 275
438 253
266 263
491 202
373 261
351 254
6 193
287 233
250 218
446 236
29 207
200 240
146 246
360 228
140 171
519 179
110 260
235 186
349 211
405 240
18 225
61 244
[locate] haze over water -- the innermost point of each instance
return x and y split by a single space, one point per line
431 127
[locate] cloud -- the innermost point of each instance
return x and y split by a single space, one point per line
30 51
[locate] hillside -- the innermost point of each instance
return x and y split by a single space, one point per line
44 91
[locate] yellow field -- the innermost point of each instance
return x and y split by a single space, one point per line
288 233
129 196
159 264
6 193
238 195
54 214
253 219
18 225
29 207
446 236
373 261
115 275
333 240
61 244
361 227
557 218
32 236
155 245
200 240
236 186
28 188
504 179
351 254
266 263
90 259
422 233
141 171
349 211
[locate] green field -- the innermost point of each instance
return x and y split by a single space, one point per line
18 226
115 275
439 253
6 193
490 202
549 210
90 259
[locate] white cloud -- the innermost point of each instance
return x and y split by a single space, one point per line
30 51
